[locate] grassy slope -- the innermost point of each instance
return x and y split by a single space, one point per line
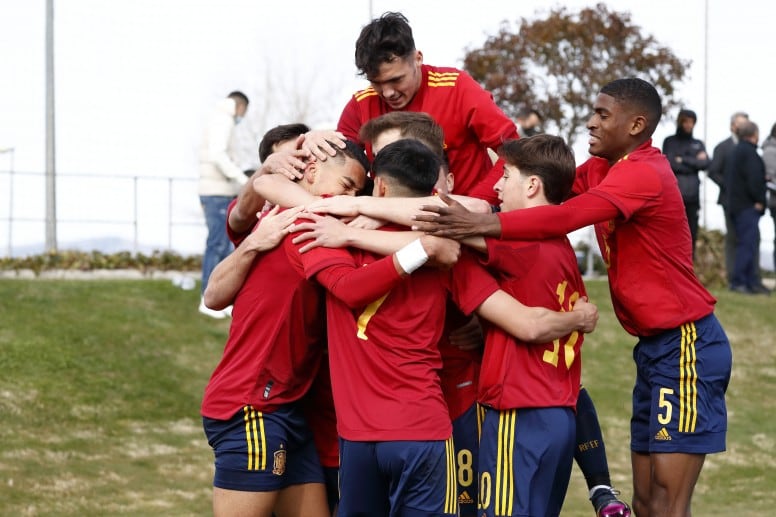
101 383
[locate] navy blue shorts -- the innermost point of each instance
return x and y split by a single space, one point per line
401 478
525 461
679 395
263 452
466 430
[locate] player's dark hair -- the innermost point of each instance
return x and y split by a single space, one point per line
411 124
239 96
351 150
410 164
773 131
277 135
546 156
383 40
639 95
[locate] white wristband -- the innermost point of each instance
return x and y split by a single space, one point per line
412 256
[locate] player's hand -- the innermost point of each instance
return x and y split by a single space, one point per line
273 226
365 222
319 143
442 253
469 336
336 205
320 230
589 312
290 164
455 221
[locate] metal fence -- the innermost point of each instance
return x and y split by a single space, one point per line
108 213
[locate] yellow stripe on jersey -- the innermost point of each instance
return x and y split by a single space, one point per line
255 438
505 481
436 79
369 311
688 380
363 94
451 488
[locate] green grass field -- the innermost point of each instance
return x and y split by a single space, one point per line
101 383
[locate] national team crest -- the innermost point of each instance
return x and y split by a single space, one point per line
279 464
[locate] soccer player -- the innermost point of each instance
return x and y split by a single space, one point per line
683 357
395 450
400 81
530 390
265 458
461 366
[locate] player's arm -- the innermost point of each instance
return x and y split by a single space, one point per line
318 230
357 286
249 201
541 222
279 190
229 275
537 324
394 209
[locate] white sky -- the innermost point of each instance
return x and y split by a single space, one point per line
135 78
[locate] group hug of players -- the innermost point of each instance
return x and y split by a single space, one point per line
372 370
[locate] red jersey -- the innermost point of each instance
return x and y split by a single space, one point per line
460 368
645 244
318 406
275 341
384 356
515 374
470 119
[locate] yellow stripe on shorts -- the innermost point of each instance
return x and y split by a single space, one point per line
504 489
688 380
451 489
255 438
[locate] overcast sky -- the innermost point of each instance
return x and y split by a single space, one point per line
135 78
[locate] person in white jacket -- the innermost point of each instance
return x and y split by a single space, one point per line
220 179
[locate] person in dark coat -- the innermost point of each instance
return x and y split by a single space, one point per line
687 156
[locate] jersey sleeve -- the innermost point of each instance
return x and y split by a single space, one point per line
470 283
235 237
629 186
542 222
483 116
350 121
338 271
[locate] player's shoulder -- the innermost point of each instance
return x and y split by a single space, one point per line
443 76
365 94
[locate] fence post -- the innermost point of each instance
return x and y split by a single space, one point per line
134 219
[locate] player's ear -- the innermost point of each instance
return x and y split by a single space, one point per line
638 125
311 171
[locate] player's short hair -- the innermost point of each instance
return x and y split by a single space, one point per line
277 135
546 156
237 95
351 150
381 41
410 164
411 124
640 95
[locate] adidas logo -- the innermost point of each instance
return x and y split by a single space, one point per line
465 498
663 435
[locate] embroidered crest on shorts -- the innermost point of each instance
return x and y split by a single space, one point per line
279 464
